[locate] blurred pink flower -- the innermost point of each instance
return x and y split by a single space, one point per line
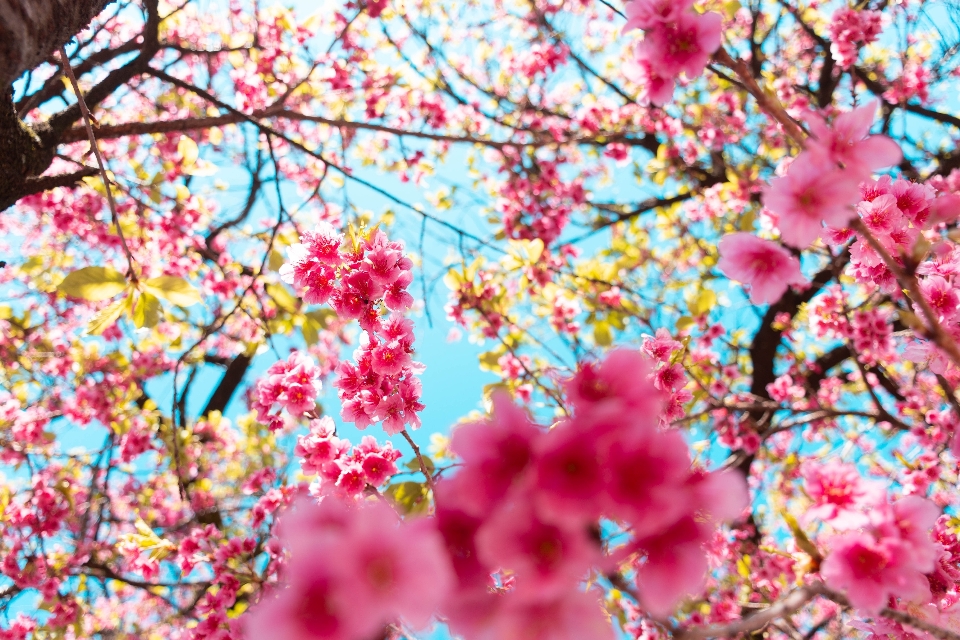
765 266
809 195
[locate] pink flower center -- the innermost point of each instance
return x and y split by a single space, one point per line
868 563
381 573
315 613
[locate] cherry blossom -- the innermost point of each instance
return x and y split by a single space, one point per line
766 267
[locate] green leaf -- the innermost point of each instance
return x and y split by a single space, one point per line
410 497
703 303
414 465
685 322
490 360
146 312
188 150
323 317
803 542
311 332
93 283
106 317
282 297
173 289
602 334
276 260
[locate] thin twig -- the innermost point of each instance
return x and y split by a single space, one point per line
420 460
131 273
767 103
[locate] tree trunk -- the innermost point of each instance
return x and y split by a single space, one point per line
30 30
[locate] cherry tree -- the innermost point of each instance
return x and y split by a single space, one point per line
709 249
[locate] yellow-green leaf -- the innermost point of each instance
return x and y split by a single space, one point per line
310 331
282 297
146 313
685 322
106 317
803 542
523 253
173 289
490 360
188 150
411 497
703 303
93 283
276 260
730 8
602 334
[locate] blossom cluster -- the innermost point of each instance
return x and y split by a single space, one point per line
527 506
668 376
820 185
877 549
293 383
851 29
353 569
341 469
359 279
517 528
381 384
677 40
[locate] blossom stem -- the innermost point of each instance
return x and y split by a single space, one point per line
767 103
893 614
420 460
793 602
789 604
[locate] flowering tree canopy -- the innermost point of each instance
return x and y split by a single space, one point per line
709 250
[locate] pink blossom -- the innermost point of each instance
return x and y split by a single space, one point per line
570 615
378 468
923 352
674 566
941 295
870 571
656 84
669 378
390 410
495 453
391 570
809 195
352 479
881 215
569 475
390 358
646 485
323 243
351 571
646 14
619 380
547 557
845 142
396 297
459 529
913 518
298 399
661 346
840 495
850 30
684 44
913 199
945 208
376 7
721 495
766 267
